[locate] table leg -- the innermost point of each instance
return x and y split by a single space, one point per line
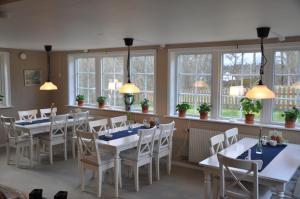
117 166
31 149
207 185
281 191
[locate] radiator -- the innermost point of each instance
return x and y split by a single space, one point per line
199 143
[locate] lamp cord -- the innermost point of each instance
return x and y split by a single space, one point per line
263 61
48 63
128 65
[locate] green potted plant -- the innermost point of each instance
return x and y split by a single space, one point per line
182 108
203 109
80 100
290 117
1 97
101 101
250 107
145 105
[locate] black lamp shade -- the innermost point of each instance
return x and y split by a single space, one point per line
263 32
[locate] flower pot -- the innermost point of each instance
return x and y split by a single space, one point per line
289 123
101 104
145 109
249 118
181 113
80 103
203 115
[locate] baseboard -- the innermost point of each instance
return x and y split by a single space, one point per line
187 165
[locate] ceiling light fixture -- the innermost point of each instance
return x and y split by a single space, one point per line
261 91
48 85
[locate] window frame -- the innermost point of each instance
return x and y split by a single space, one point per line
5 88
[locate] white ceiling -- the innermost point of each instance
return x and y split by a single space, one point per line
87 24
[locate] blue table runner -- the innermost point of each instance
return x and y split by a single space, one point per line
268 154
33 122
120 134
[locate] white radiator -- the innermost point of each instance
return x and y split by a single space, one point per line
199 143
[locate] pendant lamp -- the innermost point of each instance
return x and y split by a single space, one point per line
48 85
129 87
261 91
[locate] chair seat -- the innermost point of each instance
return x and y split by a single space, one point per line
92 159
131 154
48 138
162 149
22 139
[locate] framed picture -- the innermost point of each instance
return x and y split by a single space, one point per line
32 77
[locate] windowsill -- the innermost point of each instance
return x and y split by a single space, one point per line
236 122
5 107
112 109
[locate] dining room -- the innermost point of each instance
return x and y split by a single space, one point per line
149 99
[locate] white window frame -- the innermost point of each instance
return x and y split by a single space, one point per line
5 88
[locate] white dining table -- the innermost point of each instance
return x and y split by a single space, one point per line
122 144
37 128
276 174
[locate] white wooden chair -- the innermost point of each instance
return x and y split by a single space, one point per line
57 135
216 144
164 146
239 188
81 120
231 136
142 155
46 112
92 159
98 126
25 115
15 139
120 121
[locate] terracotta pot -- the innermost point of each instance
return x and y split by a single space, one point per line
101 104
181 113
249 118
289 123
203 115
145 109
80 103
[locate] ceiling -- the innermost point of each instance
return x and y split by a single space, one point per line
88 24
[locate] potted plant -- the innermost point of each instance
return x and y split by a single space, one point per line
182 108
203 109
250 107
1 98
101 101
80 100
145 105
291 117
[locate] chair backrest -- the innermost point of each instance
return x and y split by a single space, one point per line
87 145
119 121
146 142
81 120
58 126
165 136
236 188
46 112
231 136
98 126
30 114
8 124
216 144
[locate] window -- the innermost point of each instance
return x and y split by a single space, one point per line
286 74
240 71
85 72
5 80
112 77
192 80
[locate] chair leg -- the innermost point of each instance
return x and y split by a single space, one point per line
17 156
50 153
157 167
120 174
136 178
82 176
150 172
38 151
65 147
169 165
73 149
99 182
7 153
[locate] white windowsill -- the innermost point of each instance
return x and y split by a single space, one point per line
5 107
236 122
111 109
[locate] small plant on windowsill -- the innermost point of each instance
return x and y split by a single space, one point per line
250 107
145 105
204 109
101 101
1 97
80 100
182 108
291 117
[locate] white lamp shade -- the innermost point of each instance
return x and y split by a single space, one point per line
111 86
200 84
48 86
236 91
260 92
129 88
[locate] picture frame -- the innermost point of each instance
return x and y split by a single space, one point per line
32 77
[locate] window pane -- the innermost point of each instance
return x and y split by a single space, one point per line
194 80
287 67
240 71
